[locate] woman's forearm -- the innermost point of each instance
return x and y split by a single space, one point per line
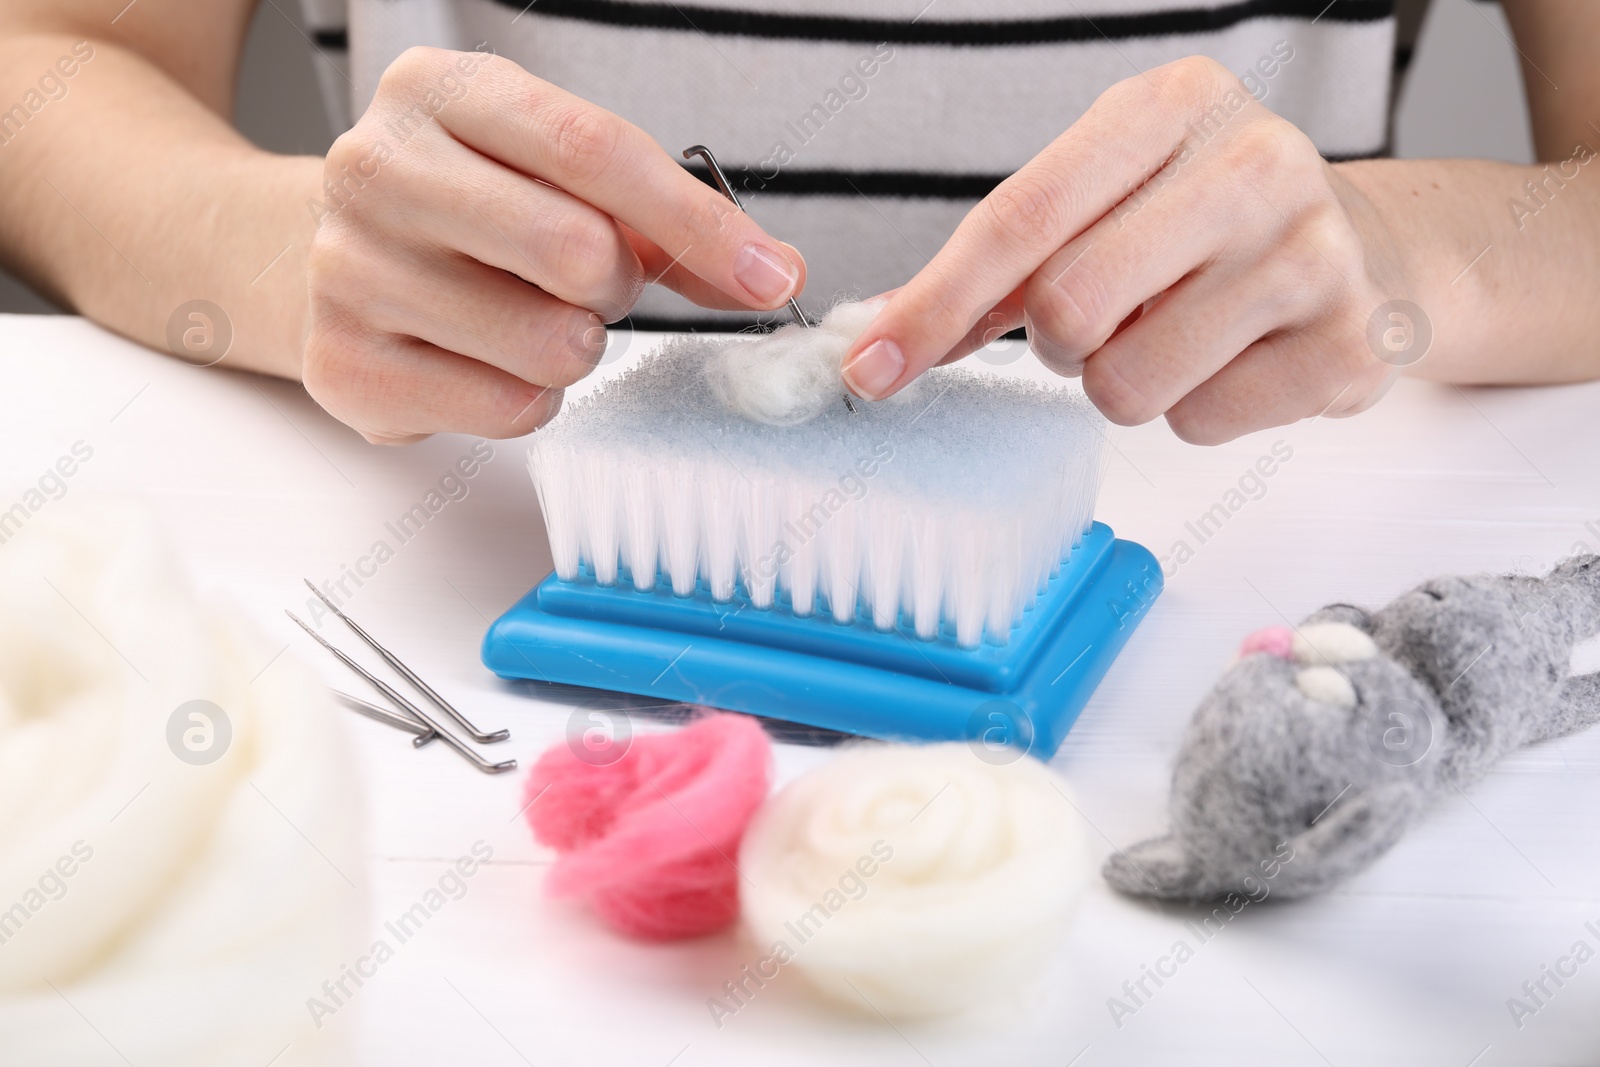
124 197
1501 259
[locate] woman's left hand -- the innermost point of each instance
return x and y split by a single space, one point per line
1175 185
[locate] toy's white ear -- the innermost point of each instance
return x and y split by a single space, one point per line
1327 685
1322 644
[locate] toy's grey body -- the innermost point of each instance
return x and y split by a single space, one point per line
1334 738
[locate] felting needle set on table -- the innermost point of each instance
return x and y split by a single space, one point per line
404 714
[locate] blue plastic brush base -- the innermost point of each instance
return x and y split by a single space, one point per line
850 677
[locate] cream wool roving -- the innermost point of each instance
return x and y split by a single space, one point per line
792 375
174 903
915 880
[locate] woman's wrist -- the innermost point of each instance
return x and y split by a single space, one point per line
230 289
269 276
1500 303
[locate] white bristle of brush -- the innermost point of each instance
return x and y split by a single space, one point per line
988 486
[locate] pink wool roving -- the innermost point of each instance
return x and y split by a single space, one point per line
649 838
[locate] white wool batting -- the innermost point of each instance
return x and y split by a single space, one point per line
1321 644
915 880
943 511
792 375
178 906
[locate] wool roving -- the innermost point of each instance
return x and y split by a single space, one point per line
649 837
914 880
1318 749
791 375
162 768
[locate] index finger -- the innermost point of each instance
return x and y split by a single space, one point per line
511 116
1128 134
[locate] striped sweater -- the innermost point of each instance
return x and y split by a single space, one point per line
861 131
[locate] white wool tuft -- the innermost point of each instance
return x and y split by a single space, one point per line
1319 644
1326 684
195 921
943 514
791 375
922 879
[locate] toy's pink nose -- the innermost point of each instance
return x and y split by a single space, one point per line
1273 640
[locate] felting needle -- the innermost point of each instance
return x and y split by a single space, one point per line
389 691
377 683
409 675
727 190
384 715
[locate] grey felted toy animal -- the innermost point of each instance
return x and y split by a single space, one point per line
1331 739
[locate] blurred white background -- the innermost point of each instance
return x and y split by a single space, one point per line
1463 97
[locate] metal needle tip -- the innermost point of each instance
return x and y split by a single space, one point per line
318 638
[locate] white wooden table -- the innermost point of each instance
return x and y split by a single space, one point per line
1410 963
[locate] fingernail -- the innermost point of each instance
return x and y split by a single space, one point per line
875 369
542 402
766 275
587 338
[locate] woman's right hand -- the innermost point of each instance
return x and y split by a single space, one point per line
477 228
